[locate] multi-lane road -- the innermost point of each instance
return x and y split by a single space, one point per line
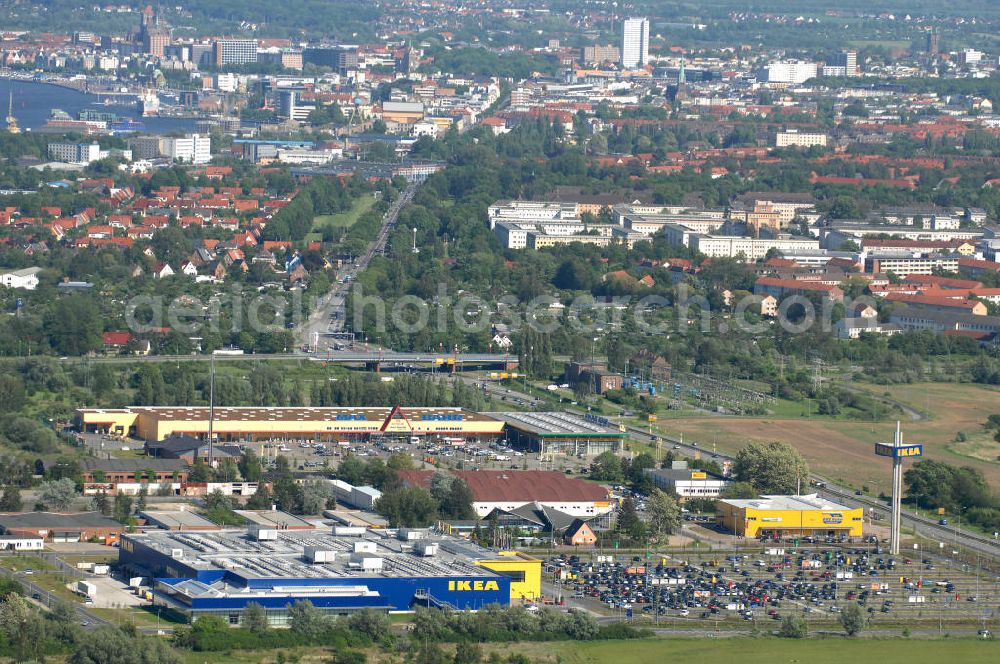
47 598
328 317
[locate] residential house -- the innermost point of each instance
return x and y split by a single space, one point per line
579 533
162 270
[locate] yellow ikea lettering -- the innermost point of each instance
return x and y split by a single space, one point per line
459 586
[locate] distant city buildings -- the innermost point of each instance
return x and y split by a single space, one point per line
192 148
844 63
635 43
795 138
235 52
591 55
791 72
75 153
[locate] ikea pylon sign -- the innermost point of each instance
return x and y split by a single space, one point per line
900 452
472 585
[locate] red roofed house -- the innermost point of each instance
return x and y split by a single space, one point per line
932 281
507 490
779 288
162 270
116 340
940 304
973 267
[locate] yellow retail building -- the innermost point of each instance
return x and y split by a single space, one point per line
525 573
155 423
770 516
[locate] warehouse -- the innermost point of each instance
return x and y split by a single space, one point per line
60 527
339 570
688 483
785 516
561 433
155 423
508 490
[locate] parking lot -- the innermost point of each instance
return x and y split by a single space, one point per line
815 582
426 451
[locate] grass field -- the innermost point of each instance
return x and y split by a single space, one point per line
751 651
768 651
842 449
347 218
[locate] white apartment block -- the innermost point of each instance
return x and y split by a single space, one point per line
508 210
75 153
635 43
794 138
193 148
792 72
752 249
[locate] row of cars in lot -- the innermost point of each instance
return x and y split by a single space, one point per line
752 587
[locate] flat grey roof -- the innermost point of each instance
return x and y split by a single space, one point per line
810 501
62 521
284 557
555 424
132 465
274 519
177 519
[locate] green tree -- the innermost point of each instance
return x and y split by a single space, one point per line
411 507
73 325
58 495
307 620
23 628
200 471
373 624
793 627
110 645
249 466
468 653
606 467
315 496
11 499
774 468
853 619
255 618
739 490
664 514
122 510
629 521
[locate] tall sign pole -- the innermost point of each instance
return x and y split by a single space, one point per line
897 491
897 451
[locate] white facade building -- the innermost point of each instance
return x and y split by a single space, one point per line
26 278
635 43
752 249
793 72
793 137
75 153
193 148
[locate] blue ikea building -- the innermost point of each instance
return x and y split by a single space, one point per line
338 570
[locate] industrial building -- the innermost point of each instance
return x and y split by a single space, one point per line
784 516
339 570
686 482
509 490
155 423
561 433
60 527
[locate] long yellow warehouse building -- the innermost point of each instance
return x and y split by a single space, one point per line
790 515
155 423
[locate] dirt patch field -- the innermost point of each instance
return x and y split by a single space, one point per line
843 449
